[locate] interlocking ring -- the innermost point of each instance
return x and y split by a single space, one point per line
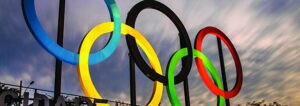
66 55
184 38
84 75
134 39
209 83
172 67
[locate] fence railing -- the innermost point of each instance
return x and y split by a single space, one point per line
69 98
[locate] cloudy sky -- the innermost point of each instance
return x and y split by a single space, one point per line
264 32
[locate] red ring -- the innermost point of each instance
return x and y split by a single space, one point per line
202 71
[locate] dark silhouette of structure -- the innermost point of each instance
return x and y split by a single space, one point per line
69 98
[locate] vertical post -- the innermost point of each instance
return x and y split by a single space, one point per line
21 84
223 69
20 94
117 103
132 81
185 82
186 92
58 65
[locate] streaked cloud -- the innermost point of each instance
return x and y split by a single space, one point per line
265 34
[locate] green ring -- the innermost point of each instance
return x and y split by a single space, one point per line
171 89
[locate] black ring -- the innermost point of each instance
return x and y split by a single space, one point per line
183 35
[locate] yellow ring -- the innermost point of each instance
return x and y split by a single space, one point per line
83 69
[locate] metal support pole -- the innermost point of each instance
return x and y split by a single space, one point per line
58 65
21 84
132 81
185 82
186 92
20 94
223 69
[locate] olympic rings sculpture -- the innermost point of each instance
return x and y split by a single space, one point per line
134 39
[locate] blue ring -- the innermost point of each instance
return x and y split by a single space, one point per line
66 55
